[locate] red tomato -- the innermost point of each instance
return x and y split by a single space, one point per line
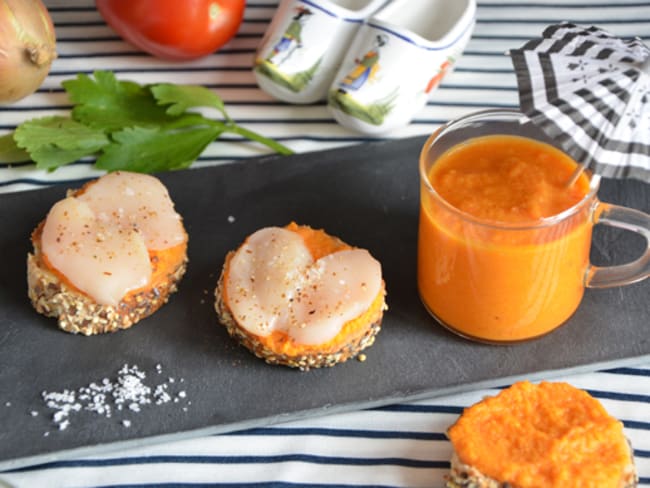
174 29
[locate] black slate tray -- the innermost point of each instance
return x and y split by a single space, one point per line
367 195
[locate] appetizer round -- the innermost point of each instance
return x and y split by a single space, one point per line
532 435
299 297
107 255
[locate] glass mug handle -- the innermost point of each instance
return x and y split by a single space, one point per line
622 274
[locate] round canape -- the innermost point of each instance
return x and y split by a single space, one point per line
107 255
299 297
531 435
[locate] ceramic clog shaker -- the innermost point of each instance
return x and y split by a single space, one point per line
304 44
397 58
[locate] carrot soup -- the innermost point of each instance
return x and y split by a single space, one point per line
503 242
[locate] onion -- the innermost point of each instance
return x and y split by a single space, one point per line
27 47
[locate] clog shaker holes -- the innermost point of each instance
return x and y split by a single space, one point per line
304 44
398 57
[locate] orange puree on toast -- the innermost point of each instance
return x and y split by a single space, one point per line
281 343
490 265
163 263
321 244
550 435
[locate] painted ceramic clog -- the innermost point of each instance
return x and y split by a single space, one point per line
397 58
304 44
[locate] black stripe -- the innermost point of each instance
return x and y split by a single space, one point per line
333 138
168 69
605 53
31 181
493 104
528 46
252 35
249 5
626 397
524 82
549 76
466 53
87 23
115 38
361 434
635 424
109 54
582 48
474 87
276 459
419 408
262 103
421 121
479 20
19 164
629 371
230 103
244 86
101 23
71 9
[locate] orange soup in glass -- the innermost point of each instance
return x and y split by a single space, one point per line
504 239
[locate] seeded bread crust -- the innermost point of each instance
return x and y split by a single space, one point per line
303 362
466 476
77 312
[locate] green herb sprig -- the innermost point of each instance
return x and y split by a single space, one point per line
126 126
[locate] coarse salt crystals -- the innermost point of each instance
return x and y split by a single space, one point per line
129 390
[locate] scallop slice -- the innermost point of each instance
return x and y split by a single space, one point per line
140 202
262 277
274 284
99 257
335 289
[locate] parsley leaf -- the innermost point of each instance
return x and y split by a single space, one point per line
182 97
132 127
150 150
55 141
105 103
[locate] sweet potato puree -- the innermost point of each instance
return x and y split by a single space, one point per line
496 270
551 435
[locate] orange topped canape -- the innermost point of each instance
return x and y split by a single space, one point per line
299 297
540 435
107 255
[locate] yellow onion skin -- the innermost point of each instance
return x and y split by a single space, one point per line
27 47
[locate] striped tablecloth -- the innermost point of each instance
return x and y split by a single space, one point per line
400 445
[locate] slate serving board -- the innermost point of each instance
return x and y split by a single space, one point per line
367 195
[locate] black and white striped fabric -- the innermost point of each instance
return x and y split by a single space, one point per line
400 445
590 91
389 447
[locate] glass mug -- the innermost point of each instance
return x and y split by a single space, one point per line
503 282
